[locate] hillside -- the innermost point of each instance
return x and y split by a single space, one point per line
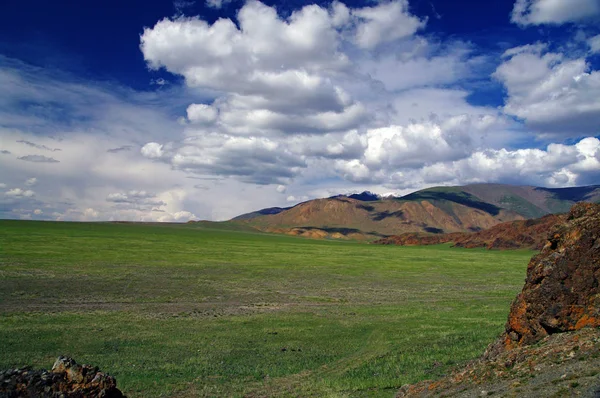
520 234
470 208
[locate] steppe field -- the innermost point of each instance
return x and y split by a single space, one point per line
211 310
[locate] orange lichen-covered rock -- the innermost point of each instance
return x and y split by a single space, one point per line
562 289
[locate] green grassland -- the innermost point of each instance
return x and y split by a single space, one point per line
192 310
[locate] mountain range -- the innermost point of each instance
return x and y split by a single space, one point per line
367 216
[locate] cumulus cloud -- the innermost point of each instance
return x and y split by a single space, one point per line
276 75
152 150
384 23
417 145
281 83
20 193
550 92
257 160
296 199
594 43
538 12
557 165
31 182
429 65
201 113
248 59
141 198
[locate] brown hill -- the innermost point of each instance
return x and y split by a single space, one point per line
520 234
431 211
348 216
558 310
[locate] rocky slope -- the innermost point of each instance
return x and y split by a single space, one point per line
551 343
521 234
67 379
436 210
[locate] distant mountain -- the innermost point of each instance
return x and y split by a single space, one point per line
469 208
365 196
258 213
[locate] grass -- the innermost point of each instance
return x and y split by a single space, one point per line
192 310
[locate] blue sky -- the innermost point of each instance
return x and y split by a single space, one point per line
178 110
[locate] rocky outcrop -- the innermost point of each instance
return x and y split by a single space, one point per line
520 234
559 308
562 289
67 379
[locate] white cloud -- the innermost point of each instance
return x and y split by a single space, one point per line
31 182
536 48
38 212
217 3
275 75
296 199
557 165
139 198
538 12
594 43
19 193
417 145
90 214
256 160
152 150
2 185
180 216
551 93
398 72
385 22
201 113
248 59
281 188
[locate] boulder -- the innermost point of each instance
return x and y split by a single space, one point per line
67 379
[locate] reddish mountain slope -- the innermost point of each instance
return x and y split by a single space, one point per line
435 211
346 216
521 234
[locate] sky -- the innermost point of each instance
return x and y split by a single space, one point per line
179 110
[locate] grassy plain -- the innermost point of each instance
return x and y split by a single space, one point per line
191 310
